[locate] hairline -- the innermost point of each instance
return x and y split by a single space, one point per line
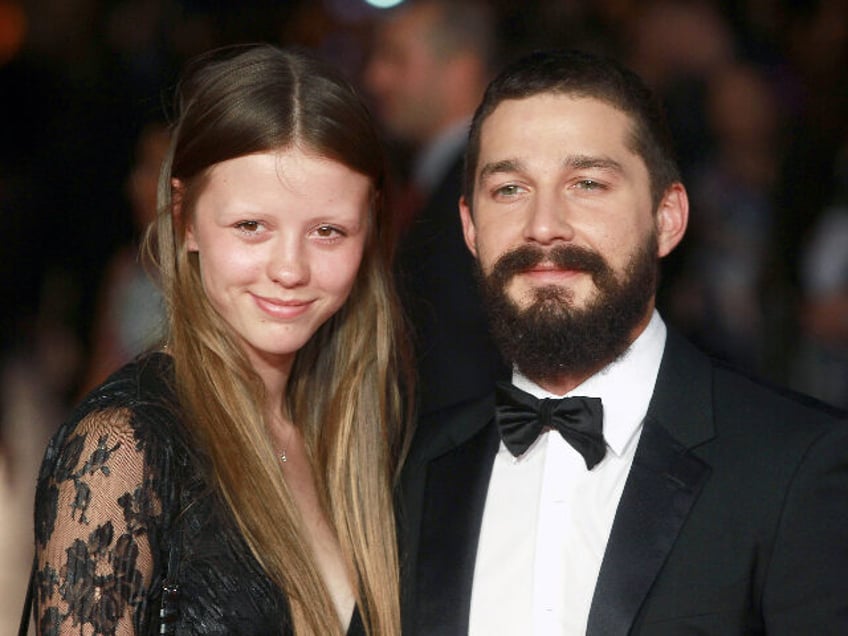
631 135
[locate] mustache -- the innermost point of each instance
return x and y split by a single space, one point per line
571 257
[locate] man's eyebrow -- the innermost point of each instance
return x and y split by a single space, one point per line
591 161
498 167
579 162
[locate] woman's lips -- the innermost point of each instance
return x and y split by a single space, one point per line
282 309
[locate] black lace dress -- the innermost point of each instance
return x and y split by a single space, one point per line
122 513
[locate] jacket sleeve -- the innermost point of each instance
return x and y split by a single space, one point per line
805 590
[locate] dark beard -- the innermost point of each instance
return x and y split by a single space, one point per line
551 338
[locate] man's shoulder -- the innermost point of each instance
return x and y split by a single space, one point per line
452 426
737 394
742 392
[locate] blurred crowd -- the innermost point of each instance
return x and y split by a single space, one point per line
755 91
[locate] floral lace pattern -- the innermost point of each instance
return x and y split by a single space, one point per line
120 493
94 518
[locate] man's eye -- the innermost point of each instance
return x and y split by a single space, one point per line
508 190
589 184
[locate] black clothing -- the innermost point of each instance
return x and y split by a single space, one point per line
457 360
733 519
119 489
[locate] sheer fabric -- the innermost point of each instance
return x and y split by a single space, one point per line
120 491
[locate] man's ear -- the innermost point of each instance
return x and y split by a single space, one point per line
180 219
469 232
672 217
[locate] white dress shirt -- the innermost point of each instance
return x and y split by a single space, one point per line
547 518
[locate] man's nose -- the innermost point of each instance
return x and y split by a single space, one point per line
548 219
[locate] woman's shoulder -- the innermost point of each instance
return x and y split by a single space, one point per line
144 388
107 496
137 404
148 380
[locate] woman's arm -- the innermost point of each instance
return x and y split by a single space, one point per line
97 511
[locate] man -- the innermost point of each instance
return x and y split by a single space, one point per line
427 72
711 505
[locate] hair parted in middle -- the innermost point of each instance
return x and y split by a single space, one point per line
347 385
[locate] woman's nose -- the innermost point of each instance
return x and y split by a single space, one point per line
287 264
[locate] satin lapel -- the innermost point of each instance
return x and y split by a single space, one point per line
454 498
662 487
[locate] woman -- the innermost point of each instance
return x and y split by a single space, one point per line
246 470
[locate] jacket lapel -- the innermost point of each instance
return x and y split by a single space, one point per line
664 482
452 513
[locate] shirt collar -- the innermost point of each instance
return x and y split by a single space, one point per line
625 386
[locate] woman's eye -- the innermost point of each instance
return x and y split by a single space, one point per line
249 227
327 231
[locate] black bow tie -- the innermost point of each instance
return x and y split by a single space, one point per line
520 419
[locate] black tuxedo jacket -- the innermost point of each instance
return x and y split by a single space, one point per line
456 358
733 519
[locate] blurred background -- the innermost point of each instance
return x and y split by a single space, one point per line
756 92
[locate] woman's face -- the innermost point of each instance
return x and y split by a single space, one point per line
279 238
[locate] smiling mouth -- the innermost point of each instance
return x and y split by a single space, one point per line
550 270
282 309
548 267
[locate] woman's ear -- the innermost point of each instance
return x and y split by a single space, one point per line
180 219
672 217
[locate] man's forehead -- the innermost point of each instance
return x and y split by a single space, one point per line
536 116
553 102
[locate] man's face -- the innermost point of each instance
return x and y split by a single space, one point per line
565 233
404 75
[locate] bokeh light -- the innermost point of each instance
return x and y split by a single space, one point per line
383 4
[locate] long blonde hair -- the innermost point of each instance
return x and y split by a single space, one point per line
346 388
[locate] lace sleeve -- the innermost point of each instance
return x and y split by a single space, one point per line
97 516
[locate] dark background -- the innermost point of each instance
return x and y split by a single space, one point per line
79 78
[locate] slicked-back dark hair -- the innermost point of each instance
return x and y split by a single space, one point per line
580 74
